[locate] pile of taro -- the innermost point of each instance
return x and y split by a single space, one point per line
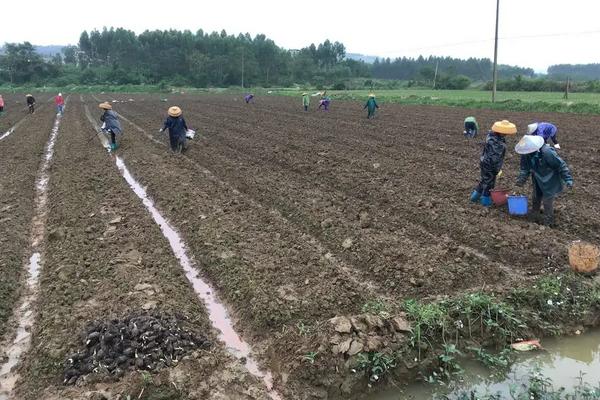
144 342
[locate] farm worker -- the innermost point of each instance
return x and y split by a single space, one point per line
177 129
491 160
305 101
1 105
30 103
60 103
248 98
548 172
471 127
371 106
545 130
110 124
324 102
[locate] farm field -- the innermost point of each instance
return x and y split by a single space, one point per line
400 95
293 218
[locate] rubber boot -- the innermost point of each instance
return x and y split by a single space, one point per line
475 196
486 201
549 221
535 216
113 146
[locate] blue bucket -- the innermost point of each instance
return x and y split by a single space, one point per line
517 205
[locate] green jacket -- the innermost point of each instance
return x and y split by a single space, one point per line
306 100
472 119
371 104
548 171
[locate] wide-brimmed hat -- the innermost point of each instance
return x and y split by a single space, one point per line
60 94
529 144
532 128
174 111
504 127
371 94
304 94
28 95
105 106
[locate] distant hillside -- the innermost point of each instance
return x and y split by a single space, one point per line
361 57
48 51
577 72
44 51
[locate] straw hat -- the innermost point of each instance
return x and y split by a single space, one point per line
504 127
529 144
174 111
105 106
372 95
60 94
532 128
304 94
28 95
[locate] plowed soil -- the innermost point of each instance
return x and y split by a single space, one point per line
20 157
105 259
394 188
294 217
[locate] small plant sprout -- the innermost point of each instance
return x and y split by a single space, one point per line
375 365
310 357
376 307
303 330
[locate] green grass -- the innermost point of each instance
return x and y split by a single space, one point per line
582 103
578 103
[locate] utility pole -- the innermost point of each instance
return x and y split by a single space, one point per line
242 68
495 73
437 64
566 96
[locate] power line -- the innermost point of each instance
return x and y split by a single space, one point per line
454 44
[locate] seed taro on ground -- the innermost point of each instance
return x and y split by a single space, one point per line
138 341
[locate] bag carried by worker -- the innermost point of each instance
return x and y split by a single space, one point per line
190 133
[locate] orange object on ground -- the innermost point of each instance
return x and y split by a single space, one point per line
527 345
583 257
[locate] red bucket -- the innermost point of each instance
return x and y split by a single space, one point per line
499 196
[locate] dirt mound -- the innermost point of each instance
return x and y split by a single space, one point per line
144 342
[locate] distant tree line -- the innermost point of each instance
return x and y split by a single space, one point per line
579 72
424 69
523 84
119 56
200 59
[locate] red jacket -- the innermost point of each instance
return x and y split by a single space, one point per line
59 101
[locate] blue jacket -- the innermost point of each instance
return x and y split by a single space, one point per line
111 121
548 171
547 131
176 126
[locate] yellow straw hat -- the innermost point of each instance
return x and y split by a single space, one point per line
371 94
105 106
174 111
504 127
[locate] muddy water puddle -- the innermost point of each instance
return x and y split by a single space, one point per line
24 316
217 312
565 361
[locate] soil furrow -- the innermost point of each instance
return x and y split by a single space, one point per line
106 259
20 157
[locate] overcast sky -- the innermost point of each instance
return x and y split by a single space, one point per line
534 33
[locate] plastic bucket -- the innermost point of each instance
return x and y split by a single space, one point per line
517 205
499 196
583 257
